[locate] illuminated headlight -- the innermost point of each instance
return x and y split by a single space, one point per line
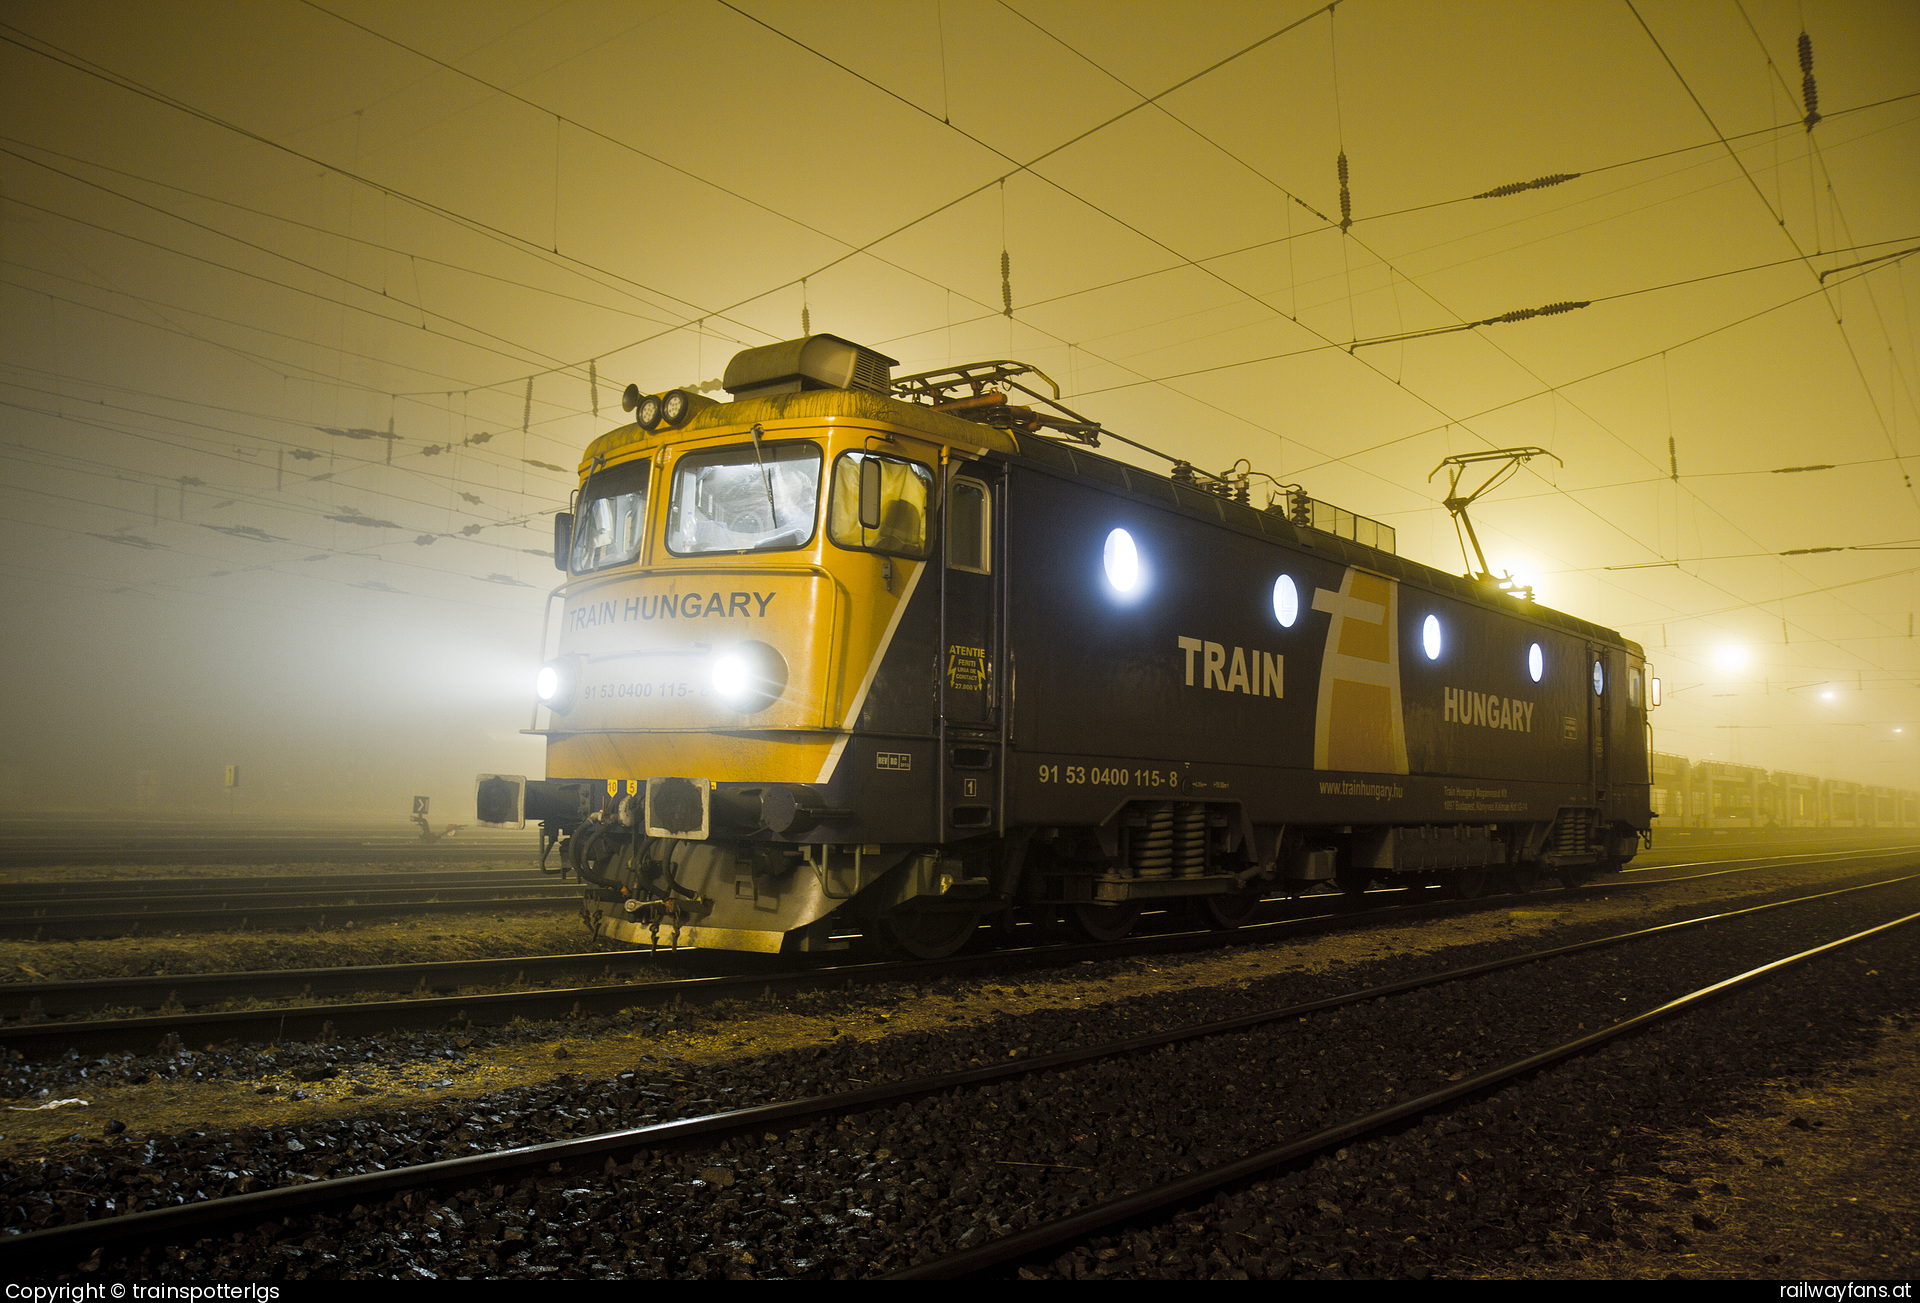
1430 637
1122 561
749 677
730 675
554 685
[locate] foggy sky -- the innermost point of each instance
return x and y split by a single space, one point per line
240 240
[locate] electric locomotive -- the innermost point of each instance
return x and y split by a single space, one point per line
896 658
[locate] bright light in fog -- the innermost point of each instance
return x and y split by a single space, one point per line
1536 662
1731 658
1286 602
730 676
1123 561
1430 637
546 682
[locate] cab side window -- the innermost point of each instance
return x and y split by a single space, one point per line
611 518
969 526
905 490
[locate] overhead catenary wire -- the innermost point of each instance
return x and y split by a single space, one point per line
1779 218
544 390
1188 261
1192 262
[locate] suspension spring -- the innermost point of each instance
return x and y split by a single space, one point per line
1190 841
1150 845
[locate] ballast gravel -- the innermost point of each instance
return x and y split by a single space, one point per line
1519 1176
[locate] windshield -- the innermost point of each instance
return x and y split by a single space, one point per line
751 498
612 515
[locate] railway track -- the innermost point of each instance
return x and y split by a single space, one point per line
91 842
625 980
109 918
293 883
916 1176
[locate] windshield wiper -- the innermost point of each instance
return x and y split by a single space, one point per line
773 512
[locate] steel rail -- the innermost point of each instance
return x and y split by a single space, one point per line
138 904
147 888
51 853
1052 1235
107 927
187 990
585 1153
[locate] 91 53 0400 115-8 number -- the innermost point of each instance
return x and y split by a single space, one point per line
1109 776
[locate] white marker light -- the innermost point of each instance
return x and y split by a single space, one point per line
1286 602
1430 637
1599 679
546 683
1123 561
1536 662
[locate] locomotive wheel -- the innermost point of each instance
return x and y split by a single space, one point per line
1229 910
1527 877
1104 922
1575 875
1354 882
1468 884
927 935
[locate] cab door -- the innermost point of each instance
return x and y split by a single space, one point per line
1600 690
972 647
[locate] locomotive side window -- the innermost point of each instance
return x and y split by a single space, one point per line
757 497
612 517
968 522
898 524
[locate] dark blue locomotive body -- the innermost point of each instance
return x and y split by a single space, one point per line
979 672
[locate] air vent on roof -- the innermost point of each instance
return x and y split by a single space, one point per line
816 362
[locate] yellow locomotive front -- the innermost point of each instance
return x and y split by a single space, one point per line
736 575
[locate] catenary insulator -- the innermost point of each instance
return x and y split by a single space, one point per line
1346 200
1809 92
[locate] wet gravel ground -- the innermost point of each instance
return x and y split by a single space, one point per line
1517 1177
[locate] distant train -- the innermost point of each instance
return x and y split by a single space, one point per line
898 658
1699 794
